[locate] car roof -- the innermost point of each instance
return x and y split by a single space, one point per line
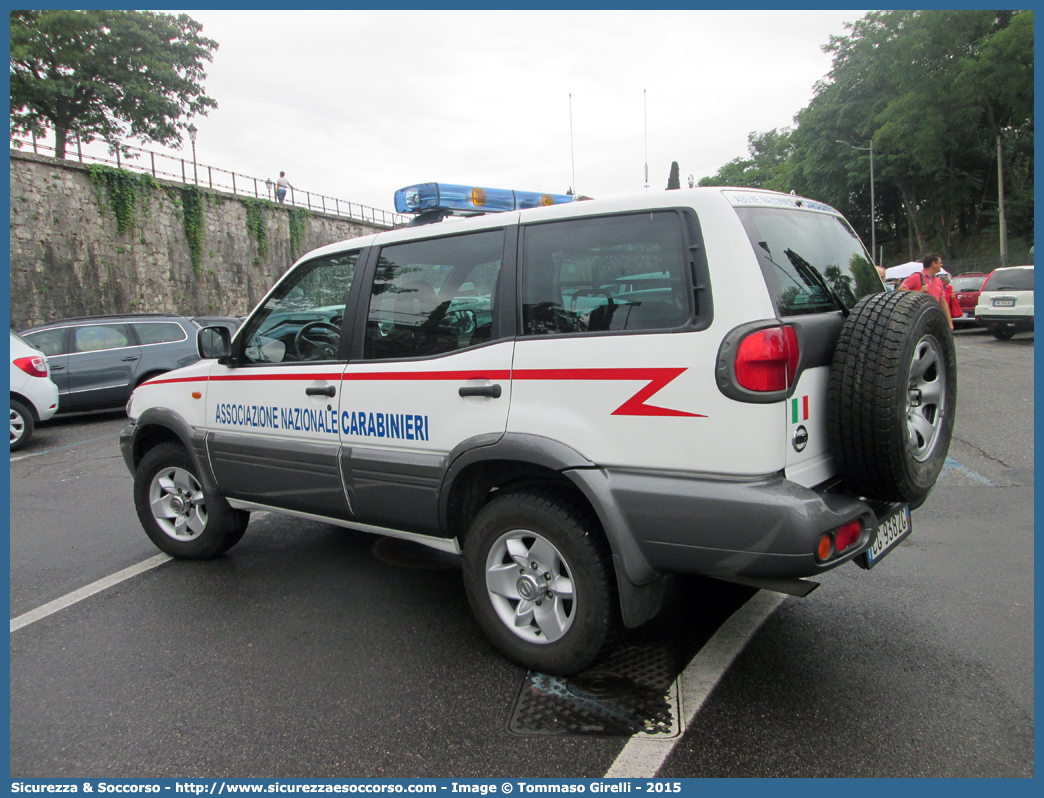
109 317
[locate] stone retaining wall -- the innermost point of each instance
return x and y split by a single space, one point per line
67 258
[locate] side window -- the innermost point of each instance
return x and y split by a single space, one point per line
159 332
50 342
301 321
100 336
626 272
434 296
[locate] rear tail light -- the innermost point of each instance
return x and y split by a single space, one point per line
34 365
833 544
824 547
766 360
847 535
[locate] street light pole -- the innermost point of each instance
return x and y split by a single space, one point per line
192 135
873 220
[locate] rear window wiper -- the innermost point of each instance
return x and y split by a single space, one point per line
811 276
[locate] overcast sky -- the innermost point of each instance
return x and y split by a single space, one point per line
356 104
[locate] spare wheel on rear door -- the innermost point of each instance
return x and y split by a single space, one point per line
893 396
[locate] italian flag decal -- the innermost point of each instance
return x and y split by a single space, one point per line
798 409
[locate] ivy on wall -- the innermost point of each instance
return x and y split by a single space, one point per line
298 225
257 223
192 200
124 189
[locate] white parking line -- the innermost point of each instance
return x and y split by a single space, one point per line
69 599
642 757
18 457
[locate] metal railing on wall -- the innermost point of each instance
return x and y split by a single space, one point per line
188 171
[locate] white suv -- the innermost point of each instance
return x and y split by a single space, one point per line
1005 304
579 398
34 397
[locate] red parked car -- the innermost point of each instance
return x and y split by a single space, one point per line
966 288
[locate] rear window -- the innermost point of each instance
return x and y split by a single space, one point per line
808 258
1010 280
968 283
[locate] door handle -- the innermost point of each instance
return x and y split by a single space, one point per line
329 390
130 359
56 368
492 391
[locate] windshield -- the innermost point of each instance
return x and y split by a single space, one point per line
1010 280
811 261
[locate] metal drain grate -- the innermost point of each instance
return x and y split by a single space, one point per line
633 692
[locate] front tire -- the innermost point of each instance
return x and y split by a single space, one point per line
178 515
540 582
893 396
22 425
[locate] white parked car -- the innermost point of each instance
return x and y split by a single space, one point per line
580 398
34 397
1005 304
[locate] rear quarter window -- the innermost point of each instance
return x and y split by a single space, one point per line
605 274
162 332
50 342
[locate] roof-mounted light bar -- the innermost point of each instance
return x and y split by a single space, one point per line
445 199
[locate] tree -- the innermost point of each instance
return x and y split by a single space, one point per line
765 168
107 74
921 85
674 181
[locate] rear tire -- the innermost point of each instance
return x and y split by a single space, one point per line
893 396
178 515
22 425
1003 333
540 581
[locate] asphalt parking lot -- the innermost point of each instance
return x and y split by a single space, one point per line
312 651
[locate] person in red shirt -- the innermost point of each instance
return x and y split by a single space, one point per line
928 282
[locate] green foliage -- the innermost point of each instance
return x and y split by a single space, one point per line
107 74
124 190
192 201
257 223
298 225
937 94
674 179
765 168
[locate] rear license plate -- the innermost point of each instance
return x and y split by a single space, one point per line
890 533
1004 303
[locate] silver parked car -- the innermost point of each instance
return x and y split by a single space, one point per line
96 361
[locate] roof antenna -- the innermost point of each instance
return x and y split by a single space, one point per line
645 103
572 158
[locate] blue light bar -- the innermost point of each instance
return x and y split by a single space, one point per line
470 199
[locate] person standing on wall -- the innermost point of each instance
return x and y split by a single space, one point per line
282 184
927 281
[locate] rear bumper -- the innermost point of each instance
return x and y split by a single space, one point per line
766 528
1018 323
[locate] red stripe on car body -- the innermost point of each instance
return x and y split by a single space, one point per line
656 379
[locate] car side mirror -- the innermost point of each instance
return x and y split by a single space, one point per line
214 343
